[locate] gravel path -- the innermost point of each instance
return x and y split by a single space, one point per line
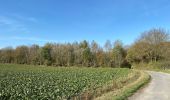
157 89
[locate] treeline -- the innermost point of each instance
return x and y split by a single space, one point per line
151 46
67 54
152 49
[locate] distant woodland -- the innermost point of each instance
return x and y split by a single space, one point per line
151 48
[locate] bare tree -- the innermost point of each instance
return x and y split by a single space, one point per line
118 53
108 46
155 36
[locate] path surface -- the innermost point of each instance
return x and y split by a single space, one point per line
157 89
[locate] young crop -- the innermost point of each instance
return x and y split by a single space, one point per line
30 82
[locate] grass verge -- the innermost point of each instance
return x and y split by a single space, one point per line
159 70
128 90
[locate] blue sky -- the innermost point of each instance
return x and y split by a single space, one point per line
41 21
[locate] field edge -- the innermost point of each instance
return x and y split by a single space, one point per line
128 90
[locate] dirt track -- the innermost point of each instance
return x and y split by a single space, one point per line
157 89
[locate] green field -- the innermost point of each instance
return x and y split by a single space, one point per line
33 82
168 71
165 71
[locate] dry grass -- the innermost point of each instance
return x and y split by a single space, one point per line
127 90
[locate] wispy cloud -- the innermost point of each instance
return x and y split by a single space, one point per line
12 24
16 23
32 39
25 18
